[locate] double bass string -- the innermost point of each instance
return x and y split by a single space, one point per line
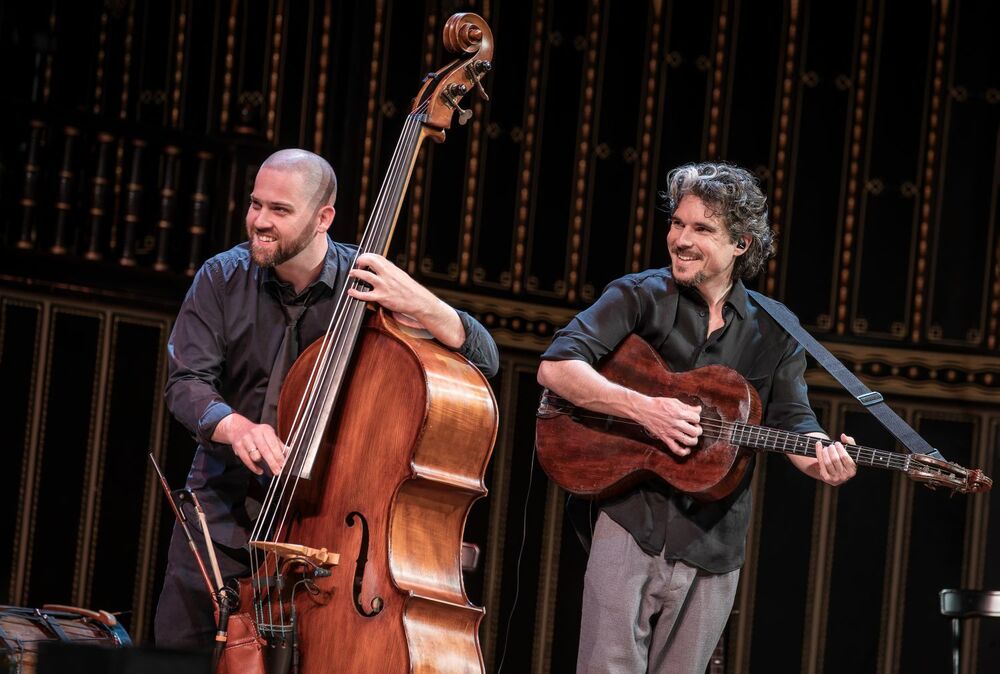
337 338
264 526
333 338
346 313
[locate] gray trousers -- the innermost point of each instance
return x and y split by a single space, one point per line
648 614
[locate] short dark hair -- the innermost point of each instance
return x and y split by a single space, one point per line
734 194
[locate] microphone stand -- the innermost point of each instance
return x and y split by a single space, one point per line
182 520
226 599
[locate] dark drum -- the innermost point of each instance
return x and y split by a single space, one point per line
23 629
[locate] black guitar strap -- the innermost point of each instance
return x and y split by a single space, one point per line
871 400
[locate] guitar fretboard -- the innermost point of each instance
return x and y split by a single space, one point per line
773 440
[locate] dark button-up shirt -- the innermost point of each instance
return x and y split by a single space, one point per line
221 353
674 320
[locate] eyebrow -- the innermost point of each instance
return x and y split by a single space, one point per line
272 204
698 221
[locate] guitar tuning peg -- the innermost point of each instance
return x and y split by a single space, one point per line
463 115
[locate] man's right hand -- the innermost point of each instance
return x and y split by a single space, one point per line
252 443
674 422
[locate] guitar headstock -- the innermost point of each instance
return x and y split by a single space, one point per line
936 473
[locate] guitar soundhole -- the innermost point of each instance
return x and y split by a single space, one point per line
711 426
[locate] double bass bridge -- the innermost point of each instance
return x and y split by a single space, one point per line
318 558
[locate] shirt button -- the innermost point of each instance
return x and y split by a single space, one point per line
702 314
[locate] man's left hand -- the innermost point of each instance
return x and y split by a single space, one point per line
835 464
396 291
391 287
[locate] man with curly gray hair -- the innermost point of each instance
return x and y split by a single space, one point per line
663 567
733 194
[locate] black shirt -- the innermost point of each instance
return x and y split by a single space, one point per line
221 353
674 320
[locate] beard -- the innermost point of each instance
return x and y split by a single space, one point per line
693 282
699 277
281 252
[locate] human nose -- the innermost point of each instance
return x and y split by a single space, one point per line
682 238
261 218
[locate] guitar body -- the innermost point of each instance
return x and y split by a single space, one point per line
594 456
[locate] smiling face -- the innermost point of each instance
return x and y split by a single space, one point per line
281 221
701 250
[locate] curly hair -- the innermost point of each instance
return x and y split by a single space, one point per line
734 194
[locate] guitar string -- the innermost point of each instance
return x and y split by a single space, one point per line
955 476
792 442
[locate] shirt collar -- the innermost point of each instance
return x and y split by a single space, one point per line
327 276
331 266
738 298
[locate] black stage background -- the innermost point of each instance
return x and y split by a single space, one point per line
133 130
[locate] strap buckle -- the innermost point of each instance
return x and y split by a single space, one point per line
870 398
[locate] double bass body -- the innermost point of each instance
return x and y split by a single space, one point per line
402 462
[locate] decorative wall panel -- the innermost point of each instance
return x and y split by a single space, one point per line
89 410
133 134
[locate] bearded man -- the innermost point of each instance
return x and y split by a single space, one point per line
228 353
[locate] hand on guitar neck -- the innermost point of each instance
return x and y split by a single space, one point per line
832 463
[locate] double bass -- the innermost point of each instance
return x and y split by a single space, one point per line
357 548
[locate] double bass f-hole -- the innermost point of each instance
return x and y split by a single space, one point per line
377 602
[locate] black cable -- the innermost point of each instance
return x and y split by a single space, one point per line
520 554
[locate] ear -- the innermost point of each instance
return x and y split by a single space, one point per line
742 245
325 218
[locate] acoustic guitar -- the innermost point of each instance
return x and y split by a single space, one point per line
596 455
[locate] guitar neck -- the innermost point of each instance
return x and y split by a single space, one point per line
784 442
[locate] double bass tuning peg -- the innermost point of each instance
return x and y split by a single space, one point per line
475 71
452 95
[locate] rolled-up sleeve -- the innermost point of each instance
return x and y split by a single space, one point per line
479 347
195 358
596 331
